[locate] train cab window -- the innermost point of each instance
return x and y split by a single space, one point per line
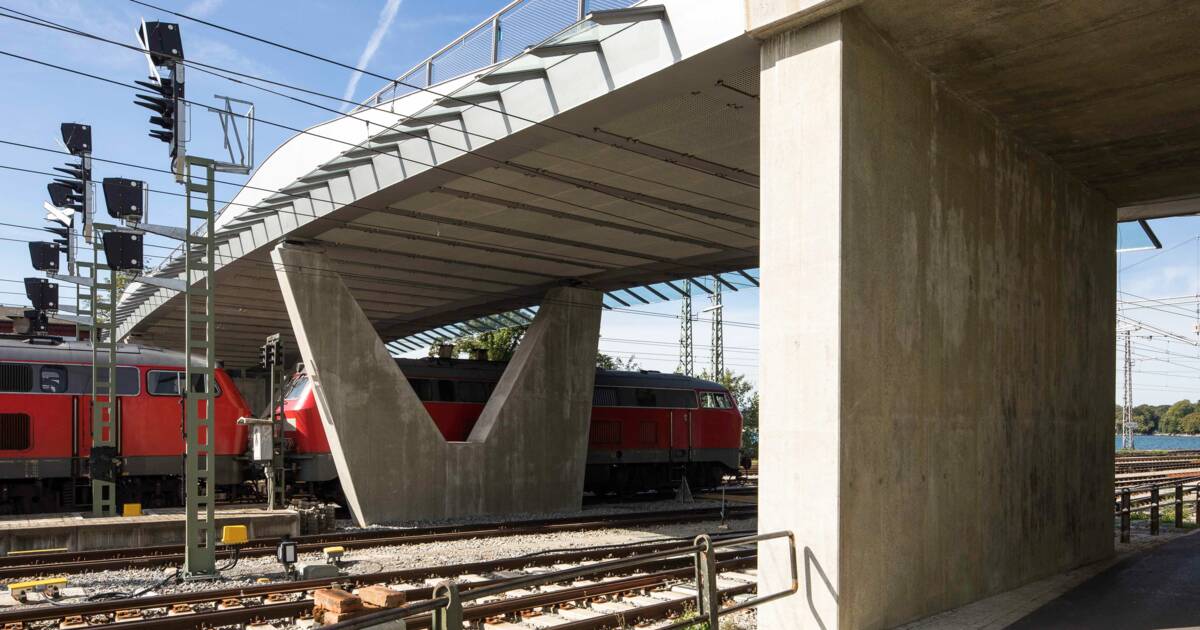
296 389
53 379
14 432
16 377
166 383
715 400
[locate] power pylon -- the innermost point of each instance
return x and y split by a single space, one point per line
1127 411
687 357
718 330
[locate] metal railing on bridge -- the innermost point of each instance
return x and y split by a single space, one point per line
506 34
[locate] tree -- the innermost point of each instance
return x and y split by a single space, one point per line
1190 423
609 362
499 344
1172 419
750 427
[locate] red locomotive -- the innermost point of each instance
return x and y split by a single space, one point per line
45 425
647 429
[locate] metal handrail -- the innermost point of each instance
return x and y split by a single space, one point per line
703 550
1125 505
494 24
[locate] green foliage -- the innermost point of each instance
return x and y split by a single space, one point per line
499 344
609 362
1181 417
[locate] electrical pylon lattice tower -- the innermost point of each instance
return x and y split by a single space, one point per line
718 330
687 357
1127 410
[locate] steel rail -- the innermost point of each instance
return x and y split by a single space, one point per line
164 555
249 611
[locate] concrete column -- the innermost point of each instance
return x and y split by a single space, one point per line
938 303
527 451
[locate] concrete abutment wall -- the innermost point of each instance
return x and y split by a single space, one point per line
939 299
527 451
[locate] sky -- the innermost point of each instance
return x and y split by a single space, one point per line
386 37
1157 290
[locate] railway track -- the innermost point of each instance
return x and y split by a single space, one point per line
12 567
651 590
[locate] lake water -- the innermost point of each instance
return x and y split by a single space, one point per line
1164 442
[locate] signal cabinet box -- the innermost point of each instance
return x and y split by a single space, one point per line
260 442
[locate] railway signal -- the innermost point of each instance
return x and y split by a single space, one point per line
42 294
163 46
44 255
73 194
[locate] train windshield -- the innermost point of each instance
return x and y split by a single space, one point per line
297 388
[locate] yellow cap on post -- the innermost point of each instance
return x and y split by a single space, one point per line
234 535
131 509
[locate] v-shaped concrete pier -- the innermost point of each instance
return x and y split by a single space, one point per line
525 454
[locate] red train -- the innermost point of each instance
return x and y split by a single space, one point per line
647 429
46 425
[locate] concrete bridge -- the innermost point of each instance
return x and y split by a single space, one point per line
930 189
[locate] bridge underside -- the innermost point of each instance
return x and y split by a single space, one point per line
650 181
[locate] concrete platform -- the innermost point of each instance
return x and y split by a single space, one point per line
80 532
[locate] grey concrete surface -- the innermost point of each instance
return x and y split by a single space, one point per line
525 454
938 298
162 526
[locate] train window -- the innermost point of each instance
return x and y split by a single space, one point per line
472 392
445 391
16 377
677 398
604 397
423 388
79 380
645 397
14 431
297 388
53 379
651 397
715 400
166 383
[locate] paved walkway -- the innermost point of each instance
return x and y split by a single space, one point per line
1059 601
1159 588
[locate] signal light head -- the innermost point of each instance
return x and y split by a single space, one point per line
123 251
125 198
42 293
44 255
77 137
161 42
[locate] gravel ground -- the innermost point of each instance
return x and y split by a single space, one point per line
358 561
